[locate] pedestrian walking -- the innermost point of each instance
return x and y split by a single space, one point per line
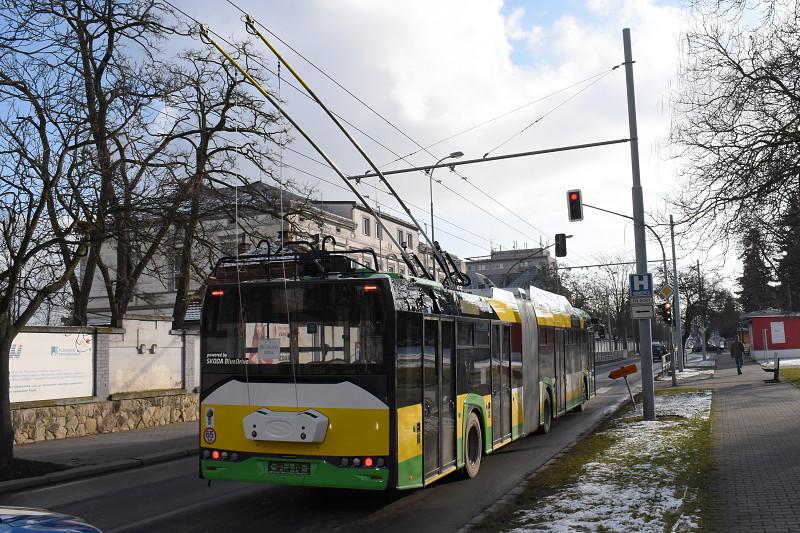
737 352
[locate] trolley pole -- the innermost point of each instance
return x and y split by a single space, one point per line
645 335
678 355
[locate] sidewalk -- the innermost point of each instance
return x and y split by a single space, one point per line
108 452
756 434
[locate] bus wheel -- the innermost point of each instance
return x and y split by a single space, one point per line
548 415
583 405
473 447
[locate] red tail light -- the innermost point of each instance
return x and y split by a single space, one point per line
215 454
217 292
370 288
368 462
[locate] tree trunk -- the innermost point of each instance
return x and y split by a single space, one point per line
6 429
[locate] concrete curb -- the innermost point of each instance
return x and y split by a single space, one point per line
509 498
81 472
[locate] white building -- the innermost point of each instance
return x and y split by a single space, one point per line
351 225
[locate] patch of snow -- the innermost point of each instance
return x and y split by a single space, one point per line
625 491
688 373
701 364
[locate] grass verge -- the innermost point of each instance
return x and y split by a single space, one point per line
625 477
791 375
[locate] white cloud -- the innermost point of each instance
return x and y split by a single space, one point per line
435 68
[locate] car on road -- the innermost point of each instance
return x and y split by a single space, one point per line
659 350
29 520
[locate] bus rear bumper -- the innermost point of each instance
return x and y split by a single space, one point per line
303 472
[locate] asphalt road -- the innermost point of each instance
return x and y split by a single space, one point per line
169 497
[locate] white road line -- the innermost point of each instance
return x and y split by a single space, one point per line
603 390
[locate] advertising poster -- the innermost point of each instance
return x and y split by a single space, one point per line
777 332
51 366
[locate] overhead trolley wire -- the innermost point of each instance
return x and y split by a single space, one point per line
542 117
344 120
399 130
380 116
390 208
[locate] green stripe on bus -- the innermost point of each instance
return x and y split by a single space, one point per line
409 473
322 474
474 401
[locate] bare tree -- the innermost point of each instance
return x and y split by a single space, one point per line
230 138
40 243
737 117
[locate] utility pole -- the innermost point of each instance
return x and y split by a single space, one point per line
645 335
679 355
702 310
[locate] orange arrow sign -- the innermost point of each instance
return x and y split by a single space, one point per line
622 371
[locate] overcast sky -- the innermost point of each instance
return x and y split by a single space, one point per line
436 68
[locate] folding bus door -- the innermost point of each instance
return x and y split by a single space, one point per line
431 399
561 371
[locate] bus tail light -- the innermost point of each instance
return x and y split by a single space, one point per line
217 292
368 462
370 288
215 454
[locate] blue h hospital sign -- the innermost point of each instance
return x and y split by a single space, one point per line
641 285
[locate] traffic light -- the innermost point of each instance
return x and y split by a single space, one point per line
561 245
574 205
666 312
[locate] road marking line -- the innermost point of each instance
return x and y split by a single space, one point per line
603 390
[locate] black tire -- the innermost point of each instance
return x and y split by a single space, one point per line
473 446
584 404
548 416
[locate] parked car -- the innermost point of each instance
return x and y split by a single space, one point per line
27 520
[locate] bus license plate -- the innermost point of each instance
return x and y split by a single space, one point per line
282 467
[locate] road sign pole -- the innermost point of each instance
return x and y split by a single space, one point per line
645 335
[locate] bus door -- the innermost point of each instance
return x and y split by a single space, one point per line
501 382
505 382
561 377
439 402
448 395
431 399
497 401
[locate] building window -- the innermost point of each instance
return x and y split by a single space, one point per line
378 231
391 269
365 226
400 237
402 271
409 241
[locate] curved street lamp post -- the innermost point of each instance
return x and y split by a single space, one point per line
453 155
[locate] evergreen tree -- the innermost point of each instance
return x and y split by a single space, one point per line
755 293
788 269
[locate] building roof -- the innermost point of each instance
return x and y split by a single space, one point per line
770 313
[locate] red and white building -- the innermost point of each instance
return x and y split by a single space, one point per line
773 332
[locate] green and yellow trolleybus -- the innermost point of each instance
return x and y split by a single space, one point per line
315 372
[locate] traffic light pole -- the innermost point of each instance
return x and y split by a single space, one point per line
645 335
676 298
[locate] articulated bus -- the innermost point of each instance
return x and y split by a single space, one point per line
368 380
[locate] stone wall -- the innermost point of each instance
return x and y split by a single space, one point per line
58 420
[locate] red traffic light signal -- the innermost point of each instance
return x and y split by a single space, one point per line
666 312
574 205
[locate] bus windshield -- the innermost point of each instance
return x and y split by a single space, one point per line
326 324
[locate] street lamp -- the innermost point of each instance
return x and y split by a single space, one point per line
453 155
